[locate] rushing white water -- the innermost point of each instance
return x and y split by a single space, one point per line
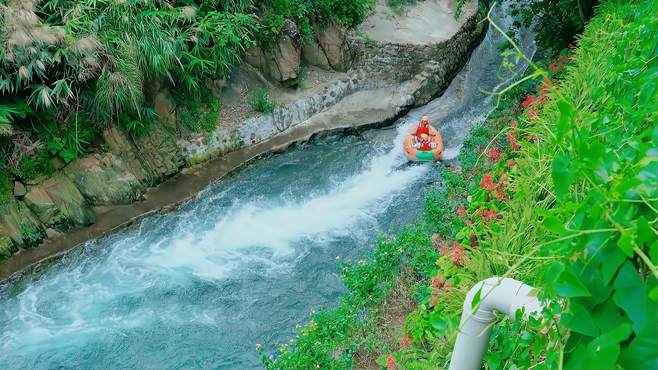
245 261
277 226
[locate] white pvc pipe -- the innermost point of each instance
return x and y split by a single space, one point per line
501 295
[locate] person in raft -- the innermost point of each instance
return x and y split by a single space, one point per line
423 128
424 143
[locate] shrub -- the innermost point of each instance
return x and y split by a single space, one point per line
262 102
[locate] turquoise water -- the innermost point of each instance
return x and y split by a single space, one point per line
241 264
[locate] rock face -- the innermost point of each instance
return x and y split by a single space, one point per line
431 65
385 80
331 40
150 158
19 189
104 179
282 61
313 55
20 225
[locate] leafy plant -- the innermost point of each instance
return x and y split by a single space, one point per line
261 101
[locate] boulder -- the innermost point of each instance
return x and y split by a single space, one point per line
285 59
158 153
332 41
59 204
121 145
255 57
68 199
19 224
7 247
152 157
38 200
281 62
104 179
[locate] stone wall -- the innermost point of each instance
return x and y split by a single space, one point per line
392 63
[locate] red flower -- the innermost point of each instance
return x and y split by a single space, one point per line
404 341
461 211
553 68
528 101
489 215
494 155
469 222
438 281
444 251
514 123
474 240
500 195
510 163
487 182
390 363
511 139
458 257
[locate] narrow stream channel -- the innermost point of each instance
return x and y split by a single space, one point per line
242 263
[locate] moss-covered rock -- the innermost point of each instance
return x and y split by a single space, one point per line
104 179
69 200
58 203
7 247
20 224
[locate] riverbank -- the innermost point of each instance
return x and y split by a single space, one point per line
140 176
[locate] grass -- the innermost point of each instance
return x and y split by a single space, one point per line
261 101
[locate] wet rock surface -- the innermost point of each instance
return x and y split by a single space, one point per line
104 179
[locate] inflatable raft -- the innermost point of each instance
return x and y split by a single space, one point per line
414 154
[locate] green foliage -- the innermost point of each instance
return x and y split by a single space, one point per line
199 115
262 102
349 13
399 5
32 236
559 21
6 187
69 67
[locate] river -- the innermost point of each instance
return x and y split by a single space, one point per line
246 260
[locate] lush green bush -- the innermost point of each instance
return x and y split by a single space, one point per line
349 13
